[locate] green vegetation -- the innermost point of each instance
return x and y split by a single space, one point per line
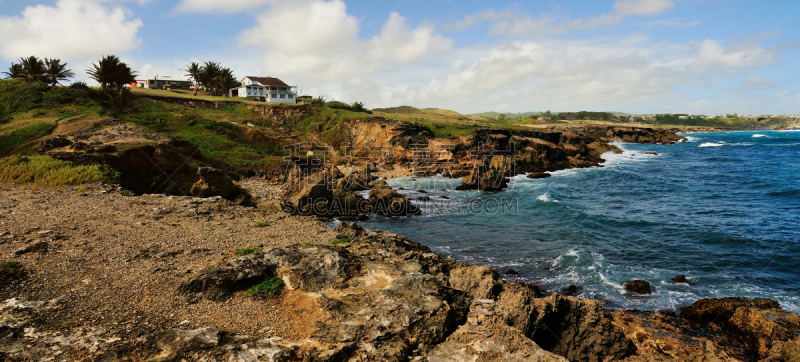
212 77
127 193
49 172
10 264
269 288
247 251
339 241
272 236
111 73
11 140
2 216
260 224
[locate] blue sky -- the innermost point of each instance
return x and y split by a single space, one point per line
637 56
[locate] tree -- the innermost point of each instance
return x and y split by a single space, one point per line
14 71
111 73
56 71
223 81
195 71
357 107
210 73
33 69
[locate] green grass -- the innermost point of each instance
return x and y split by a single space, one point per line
49 172
10 264
127 193
339 241
247 251
273 236
269 288
19 136
2 216
260 224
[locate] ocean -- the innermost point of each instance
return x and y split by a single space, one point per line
722 209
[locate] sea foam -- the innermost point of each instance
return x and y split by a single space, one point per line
546 198
712 144
758 135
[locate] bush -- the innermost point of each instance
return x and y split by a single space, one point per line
247 251
79 85
339 241
10 264
269 288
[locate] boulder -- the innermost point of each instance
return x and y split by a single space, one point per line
489 344
491 180
511 272
270 206
759 323
537 175
638 286
55 142
215 182
578 329
571 290
680 278
315 190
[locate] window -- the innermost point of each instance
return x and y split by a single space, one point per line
283 96
291 96
274 95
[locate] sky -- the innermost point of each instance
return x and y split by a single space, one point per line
637 56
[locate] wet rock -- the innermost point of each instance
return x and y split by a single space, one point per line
424 198
444 197
538 175
638 286
537 290
422 191
491 180
570 290
511 272
680 278
651 153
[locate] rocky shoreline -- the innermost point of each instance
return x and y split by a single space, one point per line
107 277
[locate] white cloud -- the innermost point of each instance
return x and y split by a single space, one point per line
713 55
217 5
397 42
642 7
324 45
514 24
72 29
752 83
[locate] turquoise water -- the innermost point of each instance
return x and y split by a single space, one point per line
722 208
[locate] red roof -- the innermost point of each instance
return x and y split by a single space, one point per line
269 81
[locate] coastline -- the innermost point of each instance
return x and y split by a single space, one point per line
156 278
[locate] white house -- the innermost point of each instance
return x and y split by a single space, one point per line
268 89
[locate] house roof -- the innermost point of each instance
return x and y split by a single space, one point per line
268 81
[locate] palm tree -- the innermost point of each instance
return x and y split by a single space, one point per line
210 73
56 71
195 70
14 71
33 69
224 81
111 73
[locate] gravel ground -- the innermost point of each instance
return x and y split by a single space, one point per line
114 262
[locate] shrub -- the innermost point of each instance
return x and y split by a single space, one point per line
260 224
79 85
339 241
269 288
247 251
10 264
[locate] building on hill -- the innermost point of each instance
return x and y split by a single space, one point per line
304 99
165 82
265 89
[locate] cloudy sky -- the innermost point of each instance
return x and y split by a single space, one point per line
638 56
